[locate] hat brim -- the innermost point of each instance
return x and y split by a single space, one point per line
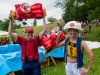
80 30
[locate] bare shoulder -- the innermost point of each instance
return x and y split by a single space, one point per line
85 46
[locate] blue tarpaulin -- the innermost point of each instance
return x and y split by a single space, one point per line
10 57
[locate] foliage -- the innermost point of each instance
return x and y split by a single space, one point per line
93 8
79 9
0 23
73 11
94 14
6 23
51 19
35 22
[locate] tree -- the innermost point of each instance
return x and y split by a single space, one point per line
35 22
72 10
93 7
5 25
79 9
0 23
51 19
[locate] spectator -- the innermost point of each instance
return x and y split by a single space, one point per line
4 41
73 52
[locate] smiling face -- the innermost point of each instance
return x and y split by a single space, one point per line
73 32
29 35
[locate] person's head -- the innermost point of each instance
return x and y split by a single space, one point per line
55 30
29 33
73 28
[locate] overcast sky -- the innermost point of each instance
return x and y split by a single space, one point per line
7 5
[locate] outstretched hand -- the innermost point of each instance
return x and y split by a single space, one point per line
58 38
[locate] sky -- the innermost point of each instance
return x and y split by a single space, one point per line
7 5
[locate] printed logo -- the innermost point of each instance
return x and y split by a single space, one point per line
71 24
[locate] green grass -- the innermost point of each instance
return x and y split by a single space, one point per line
52 70
96 63
95 33
37 29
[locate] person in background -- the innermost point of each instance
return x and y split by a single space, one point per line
29 46
4 41
0 41
74 48
96 22
89 27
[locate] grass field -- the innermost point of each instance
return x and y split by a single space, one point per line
95 33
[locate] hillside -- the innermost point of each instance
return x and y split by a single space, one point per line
37 29
93 36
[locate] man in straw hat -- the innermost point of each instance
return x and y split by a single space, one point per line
74 48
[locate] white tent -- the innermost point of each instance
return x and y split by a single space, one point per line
3 33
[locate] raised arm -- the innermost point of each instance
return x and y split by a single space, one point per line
13 35
58 43
44 28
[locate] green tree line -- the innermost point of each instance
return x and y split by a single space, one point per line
79 9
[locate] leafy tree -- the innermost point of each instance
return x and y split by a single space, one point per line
51 19
6 23
93 7
0 23
73 10
35 22
79 9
